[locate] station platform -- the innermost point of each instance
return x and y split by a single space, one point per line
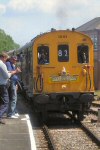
17 134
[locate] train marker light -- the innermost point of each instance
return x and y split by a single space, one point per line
63 71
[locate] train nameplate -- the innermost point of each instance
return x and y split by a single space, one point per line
63 78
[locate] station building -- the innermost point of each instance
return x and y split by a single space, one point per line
92 28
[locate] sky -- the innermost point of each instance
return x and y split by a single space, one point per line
24 19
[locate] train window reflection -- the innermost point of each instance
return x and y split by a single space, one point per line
63 53
83 54
43 55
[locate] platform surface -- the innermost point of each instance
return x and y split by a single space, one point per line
17 134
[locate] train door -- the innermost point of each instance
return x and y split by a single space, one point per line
83 52
29 70
40 78
26 67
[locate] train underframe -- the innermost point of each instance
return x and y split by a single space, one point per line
76 103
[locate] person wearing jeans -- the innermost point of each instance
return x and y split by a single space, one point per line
4 76
12 112
4 101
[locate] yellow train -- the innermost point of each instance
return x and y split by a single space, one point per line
58 72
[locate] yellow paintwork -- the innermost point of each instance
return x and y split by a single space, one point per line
54 68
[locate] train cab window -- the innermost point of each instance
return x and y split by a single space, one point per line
43 55
63 53
83 54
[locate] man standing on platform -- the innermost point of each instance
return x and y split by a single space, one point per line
12 112
4 76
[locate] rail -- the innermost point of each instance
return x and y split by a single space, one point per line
49 138
90 134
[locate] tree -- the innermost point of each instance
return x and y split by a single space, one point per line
6 42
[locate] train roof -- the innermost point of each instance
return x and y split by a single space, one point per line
29 44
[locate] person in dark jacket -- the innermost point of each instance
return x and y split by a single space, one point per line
4 76
12 112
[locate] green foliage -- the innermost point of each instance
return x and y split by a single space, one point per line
6 42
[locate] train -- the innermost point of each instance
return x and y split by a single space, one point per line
58 72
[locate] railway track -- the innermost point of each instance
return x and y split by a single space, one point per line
96 104
49 138
91 134
61 133
66 136
94 108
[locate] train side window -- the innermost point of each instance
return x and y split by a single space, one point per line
26 61
83 54
63 53
43 55
20 56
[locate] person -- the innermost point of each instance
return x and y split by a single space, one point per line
12 111
4 76
43 57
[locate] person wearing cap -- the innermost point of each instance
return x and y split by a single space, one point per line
12 112
4 76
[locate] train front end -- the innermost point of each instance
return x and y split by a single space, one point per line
63 63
